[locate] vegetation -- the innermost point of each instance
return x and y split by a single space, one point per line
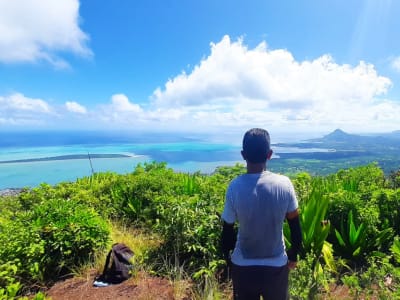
350 223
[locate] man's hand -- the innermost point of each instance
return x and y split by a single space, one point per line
291 264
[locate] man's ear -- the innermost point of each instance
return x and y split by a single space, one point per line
243 154
269 154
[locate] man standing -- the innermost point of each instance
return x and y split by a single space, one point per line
260 201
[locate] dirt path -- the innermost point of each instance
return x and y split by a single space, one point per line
142 287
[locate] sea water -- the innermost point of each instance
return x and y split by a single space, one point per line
30 158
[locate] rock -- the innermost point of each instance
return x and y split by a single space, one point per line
10 192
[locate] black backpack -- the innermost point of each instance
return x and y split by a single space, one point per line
120 256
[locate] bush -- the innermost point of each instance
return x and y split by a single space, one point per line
388 202
49 241
21 251
71 232
190 229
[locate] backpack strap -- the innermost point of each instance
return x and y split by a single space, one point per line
106 264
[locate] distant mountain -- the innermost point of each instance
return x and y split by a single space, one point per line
341 140
339 136
341 150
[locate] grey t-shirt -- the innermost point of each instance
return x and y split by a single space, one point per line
259 202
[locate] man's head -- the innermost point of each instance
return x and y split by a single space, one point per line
256 146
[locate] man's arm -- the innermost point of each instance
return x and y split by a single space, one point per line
295 235
228 240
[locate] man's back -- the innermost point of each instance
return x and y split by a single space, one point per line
259 202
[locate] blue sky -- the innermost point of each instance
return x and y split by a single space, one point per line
210 65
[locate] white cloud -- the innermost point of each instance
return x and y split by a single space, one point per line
120 103
120 112
75 107
17 109
237 86
18 102
36 30
395 63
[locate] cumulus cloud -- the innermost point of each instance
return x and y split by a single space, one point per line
395 64
36 30
238 85
121 103
18 102
120 111
75 107
17 109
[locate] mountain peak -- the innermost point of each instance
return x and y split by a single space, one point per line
338 133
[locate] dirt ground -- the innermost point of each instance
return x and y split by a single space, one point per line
141 287
146 287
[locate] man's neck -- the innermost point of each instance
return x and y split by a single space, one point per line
256 168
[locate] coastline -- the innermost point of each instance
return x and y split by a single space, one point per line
65 157
10 192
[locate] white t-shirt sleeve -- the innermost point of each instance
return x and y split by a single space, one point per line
229 214
293 203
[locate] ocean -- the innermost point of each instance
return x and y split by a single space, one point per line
30 158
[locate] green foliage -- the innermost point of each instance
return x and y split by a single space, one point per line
54 237
352 242
363 180
395 249
380 279
190 184
388 203
134 196
230 173
21 251
71 234
49 230
190 229
302 184
308 279
394 179
312 216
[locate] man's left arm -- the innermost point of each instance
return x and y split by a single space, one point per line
228 240
295 237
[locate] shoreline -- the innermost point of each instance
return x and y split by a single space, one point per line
65 157
10 192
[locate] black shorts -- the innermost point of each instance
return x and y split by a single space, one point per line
251 282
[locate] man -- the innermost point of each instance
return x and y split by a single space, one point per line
260 201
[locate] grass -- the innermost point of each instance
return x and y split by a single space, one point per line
138 240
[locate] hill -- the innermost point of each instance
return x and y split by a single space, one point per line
338 150
338 136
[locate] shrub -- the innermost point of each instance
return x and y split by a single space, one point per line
49 241
21 251
71 232
190 229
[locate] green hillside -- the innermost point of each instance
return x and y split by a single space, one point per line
350 222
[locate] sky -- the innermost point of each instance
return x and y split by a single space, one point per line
306 66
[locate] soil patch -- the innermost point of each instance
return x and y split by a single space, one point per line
142 286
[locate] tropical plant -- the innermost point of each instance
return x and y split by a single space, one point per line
352 243
395 249
314 226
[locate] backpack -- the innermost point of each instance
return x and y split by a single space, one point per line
120 256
